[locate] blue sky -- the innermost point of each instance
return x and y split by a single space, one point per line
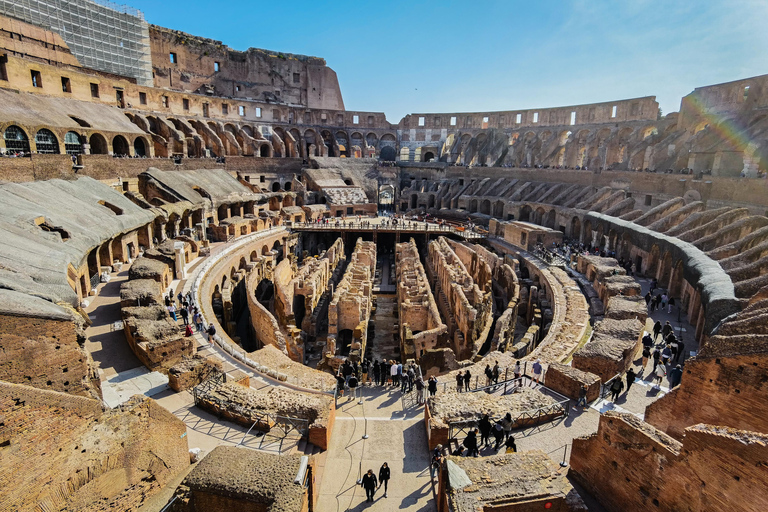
401 57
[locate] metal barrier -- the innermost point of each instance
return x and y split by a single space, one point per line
605 388
361 226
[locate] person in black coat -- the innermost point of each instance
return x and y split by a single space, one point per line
485 429
470 443
384 477
467 377
369 483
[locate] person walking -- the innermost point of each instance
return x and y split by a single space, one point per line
386 374
675 376
498 434
459 382
421 390
393 374
506 423
630 378
496 372
364 368
369 483
172 312
184 315
537 370
656 357
488 375
670 304
666 354
582 401
411 374
666 330
376 372
518 372
616 386
211 333
384 474
660 372
656 330
646 355
485 429
470 443
648 300
467 377
432 385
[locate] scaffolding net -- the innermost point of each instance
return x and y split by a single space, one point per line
102 35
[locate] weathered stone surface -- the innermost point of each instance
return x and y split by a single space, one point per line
451 407
231 478
140 292
155 339
191 371
525 477
567 381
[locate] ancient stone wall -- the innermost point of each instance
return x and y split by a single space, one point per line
155 338
46 353
727 390
469 304
713 468
421 327
350 307
567 381
75 456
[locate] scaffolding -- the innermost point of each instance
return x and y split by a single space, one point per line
102 35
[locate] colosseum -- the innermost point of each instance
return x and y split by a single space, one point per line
221 290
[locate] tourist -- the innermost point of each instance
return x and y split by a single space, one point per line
376 372
211 333
485 429
437 460
646 355
467 377
670 304
470 443
647 340
647 299
364 368
680 350
346 370
653 285
386 374
660 372
399 371
495 372
340 383
172 311
352 384
616 386
510 444
488 375
411 373
384 474
675 376
167 300
656 357
184 315
432 385
421 390
656 330
507 423
518 372
630 378
369 483
666 354
666 330
537 370
674 346
459 382
498 434
582 401
664 299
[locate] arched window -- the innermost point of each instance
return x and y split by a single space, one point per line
140 147
72 144
46 142
15 139
119 146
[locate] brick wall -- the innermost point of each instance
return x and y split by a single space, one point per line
629 465
730 391
45 354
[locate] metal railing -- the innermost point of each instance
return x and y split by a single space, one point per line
420 227
605 388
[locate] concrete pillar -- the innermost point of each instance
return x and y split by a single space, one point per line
181 271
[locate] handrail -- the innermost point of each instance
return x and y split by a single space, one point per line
358 226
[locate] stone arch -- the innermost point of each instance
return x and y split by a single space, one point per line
665 270
46 142
140 147
73 143
265 250
676 280
587 235
16 139
575 233
329 142
653 261
473 206
485 207
388 154
120 146
498 209
539 215
310 143
431 201
550 221
600 240
98 144
525 213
